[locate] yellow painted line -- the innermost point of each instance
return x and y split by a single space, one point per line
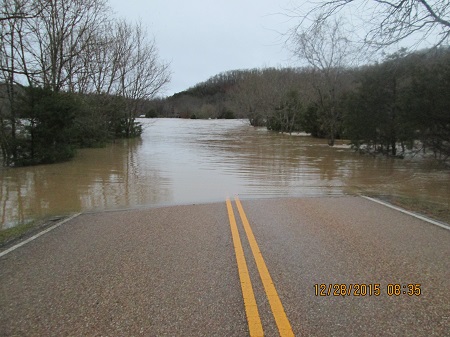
284 327
251 309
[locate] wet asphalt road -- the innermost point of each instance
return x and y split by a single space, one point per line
172 271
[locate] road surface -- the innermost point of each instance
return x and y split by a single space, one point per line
339 266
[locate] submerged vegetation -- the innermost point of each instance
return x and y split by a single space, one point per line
71 76
394 107
14 233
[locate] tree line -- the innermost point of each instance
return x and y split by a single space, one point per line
72 75
394 106
391 106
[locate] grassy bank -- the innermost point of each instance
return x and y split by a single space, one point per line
431 209
14 234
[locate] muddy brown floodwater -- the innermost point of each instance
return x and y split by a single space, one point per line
194 161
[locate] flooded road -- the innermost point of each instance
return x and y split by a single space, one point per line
195 161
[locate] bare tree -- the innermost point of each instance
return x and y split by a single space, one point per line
260 91
21 10
250 96
101 62
140 73
328 52
14 12
73 46
59 36
387 22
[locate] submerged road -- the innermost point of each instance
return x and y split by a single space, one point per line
341 266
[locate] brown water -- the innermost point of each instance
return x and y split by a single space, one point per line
194 161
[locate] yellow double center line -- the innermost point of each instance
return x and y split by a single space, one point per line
251 309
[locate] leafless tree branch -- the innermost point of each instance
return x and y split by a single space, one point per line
390 22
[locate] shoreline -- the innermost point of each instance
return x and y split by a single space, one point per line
20 233
16 234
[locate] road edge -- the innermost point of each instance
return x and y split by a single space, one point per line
9 250
418 216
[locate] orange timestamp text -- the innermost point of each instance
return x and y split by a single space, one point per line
367 289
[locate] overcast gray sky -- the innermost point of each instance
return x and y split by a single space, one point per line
202 38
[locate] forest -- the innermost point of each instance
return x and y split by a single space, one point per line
71 75
398 105
363 79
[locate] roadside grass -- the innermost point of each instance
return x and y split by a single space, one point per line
14 233
431 209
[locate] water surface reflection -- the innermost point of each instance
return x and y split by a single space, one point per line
193 161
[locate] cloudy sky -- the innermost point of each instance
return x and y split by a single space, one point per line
201 38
